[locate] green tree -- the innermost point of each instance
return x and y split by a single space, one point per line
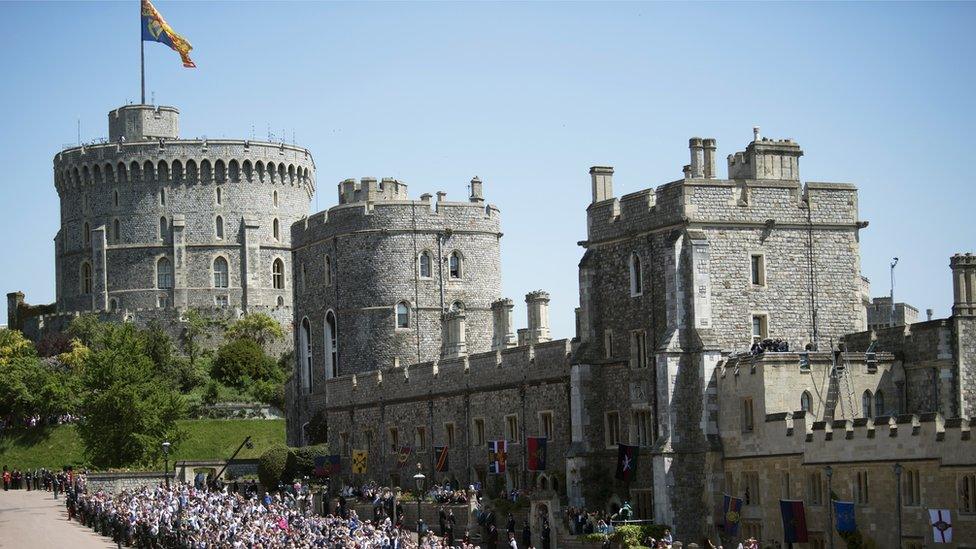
241 361
276 464
86 328
128 411
194 334
32 387
14 345
258 327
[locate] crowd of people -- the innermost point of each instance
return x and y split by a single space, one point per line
35 479
769 345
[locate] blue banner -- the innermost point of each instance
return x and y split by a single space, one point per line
844 516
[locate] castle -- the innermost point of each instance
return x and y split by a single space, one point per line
152 224
403 339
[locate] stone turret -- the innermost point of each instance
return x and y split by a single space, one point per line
143 123
765 158
501 312
537 304
455 340
602 182
696 168
963 284
477 190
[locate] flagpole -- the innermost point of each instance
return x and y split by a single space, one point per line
142 58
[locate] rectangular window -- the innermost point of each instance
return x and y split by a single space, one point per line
368 439
751 492
638 349
757 265
911 492
344 441
612 428
449 432
729 484
644 504
545 424
815 489
479 432
394 440
222 301
967 494
511 429
747 415
643 428
420 439
760 329
162 302
608 343
861 494
785 486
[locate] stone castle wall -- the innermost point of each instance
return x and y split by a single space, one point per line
161 197
372 252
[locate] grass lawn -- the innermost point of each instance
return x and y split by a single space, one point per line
206 439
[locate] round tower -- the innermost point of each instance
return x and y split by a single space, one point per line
378 275
151 221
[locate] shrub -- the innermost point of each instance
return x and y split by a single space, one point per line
593 538
276 465
269 392
305 458
240 361
212 394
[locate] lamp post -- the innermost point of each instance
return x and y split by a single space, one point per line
897 469
830 501
419 478
166 463
894 261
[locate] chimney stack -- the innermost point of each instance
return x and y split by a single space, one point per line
928 314
697 157
755 133
709 147
537 304
501 313
602 181
454 337
963 284
476 190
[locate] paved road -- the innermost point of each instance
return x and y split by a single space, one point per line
34 520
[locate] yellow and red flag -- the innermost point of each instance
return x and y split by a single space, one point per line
156 29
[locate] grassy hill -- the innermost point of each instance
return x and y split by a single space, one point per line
206 439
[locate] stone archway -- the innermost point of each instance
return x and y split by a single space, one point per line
544 505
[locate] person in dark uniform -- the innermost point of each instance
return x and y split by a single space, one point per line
510 524
442 519
449 534
526 534
546 533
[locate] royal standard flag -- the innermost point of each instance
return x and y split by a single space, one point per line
537 453
156 29
731 514
794 521
497 455
359 462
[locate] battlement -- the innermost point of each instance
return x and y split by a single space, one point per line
368 190
543 361
396 214
143 122
881 438
763 187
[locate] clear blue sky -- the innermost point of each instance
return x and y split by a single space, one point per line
528 97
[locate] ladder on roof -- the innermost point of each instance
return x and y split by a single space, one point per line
841 373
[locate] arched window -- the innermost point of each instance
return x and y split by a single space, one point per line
116 231
221 280
191 171
164 273
879 403
278 274
162 196
248 170
806 402
162 228
113 305
454 265
276 229
220 172
424 261
234 171
177 171
402 315
206 171
331 346
328 271
86 235
220 195
457 306
274 198
305 354
866 404
219 227
280 301
115 198
636 280
86 278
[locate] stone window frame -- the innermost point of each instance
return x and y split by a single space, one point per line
393 434
115 198
162 196
479 435
638 349
276 229
911 487
162 301
344 443
867 403
368 441
86 235
396 316
306 361
966 488
550 434
512 432
751 488
156 280
636 274
219 228
222 301
213 271
163 228
747 415
276 277
450 433
113 304
330 346
635 412
763 278
806 402
218 195
764 326
460 265
815 488
609 441
116 230
861 488
608 343
328 272
430 264
274 198
420 442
